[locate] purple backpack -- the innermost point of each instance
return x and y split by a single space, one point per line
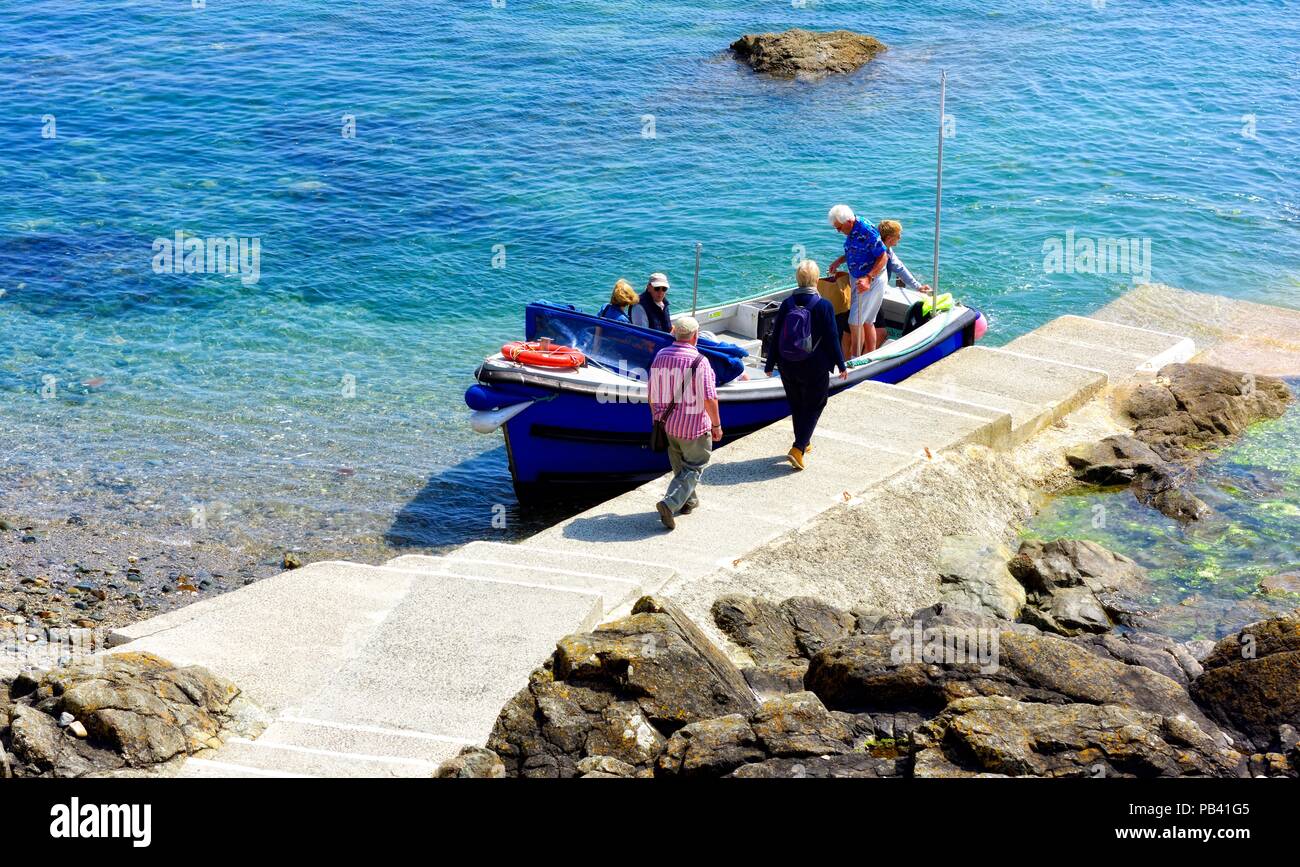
796 334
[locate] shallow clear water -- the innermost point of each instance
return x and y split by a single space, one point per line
1204 577
525 126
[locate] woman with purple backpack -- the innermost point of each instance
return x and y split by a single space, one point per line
806 348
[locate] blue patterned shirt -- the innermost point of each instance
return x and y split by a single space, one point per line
862 248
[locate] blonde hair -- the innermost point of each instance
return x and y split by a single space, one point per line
890 229
807 273
623 294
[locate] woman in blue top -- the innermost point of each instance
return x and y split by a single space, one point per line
622 298
866 257
805 371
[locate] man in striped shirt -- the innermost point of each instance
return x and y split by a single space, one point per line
679 373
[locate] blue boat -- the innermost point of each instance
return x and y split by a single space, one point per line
574 431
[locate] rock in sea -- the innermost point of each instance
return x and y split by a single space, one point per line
800 53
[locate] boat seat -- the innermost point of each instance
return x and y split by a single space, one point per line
752 345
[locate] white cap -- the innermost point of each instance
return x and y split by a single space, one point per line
684 327
658 279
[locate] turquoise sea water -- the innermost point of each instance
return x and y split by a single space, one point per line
526 126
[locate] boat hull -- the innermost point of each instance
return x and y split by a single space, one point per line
571 443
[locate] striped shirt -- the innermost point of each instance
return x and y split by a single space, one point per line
670 378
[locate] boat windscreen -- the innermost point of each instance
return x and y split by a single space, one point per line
623 349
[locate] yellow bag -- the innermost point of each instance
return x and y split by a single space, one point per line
836 291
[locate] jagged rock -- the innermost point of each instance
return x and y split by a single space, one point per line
621 691
973 574
710 748
623 732
894 726
946 614
795 629
1002 736
1075 586
854 765
1283 582
657 655
1147 401
860 726
1162 489
799 725
798 53
1115 460
815 624
136 710
1156 652
776 678
876 674
42 748
869 618
1189 408
606 766
1223 402
1270 765
472 763
756 625
1251 681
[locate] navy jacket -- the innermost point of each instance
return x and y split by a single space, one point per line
826 355
657 318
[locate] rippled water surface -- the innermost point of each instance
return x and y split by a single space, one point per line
526 126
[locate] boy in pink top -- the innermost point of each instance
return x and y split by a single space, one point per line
680 373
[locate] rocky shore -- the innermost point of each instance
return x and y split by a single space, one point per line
1187 411
945 692
118 715
67 574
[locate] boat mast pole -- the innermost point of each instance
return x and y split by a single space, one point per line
938 194
695 291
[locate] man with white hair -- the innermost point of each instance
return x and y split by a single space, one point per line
867 257
683 394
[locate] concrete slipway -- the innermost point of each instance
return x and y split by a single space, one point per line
389 670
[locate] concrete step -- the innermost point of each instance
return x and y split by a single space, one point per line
529 553
1034 391
1117 364
905 421
448 657
1229 332
249 757
363 739
613 591
996 432
1155 348
749 496
209 768
281 638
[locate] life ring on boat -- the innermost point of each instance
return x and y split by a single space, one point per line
543 355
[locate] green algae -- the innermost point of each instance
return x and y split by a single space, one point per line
1204 577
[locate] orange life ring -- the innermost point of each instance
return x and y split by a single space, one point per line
543 356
